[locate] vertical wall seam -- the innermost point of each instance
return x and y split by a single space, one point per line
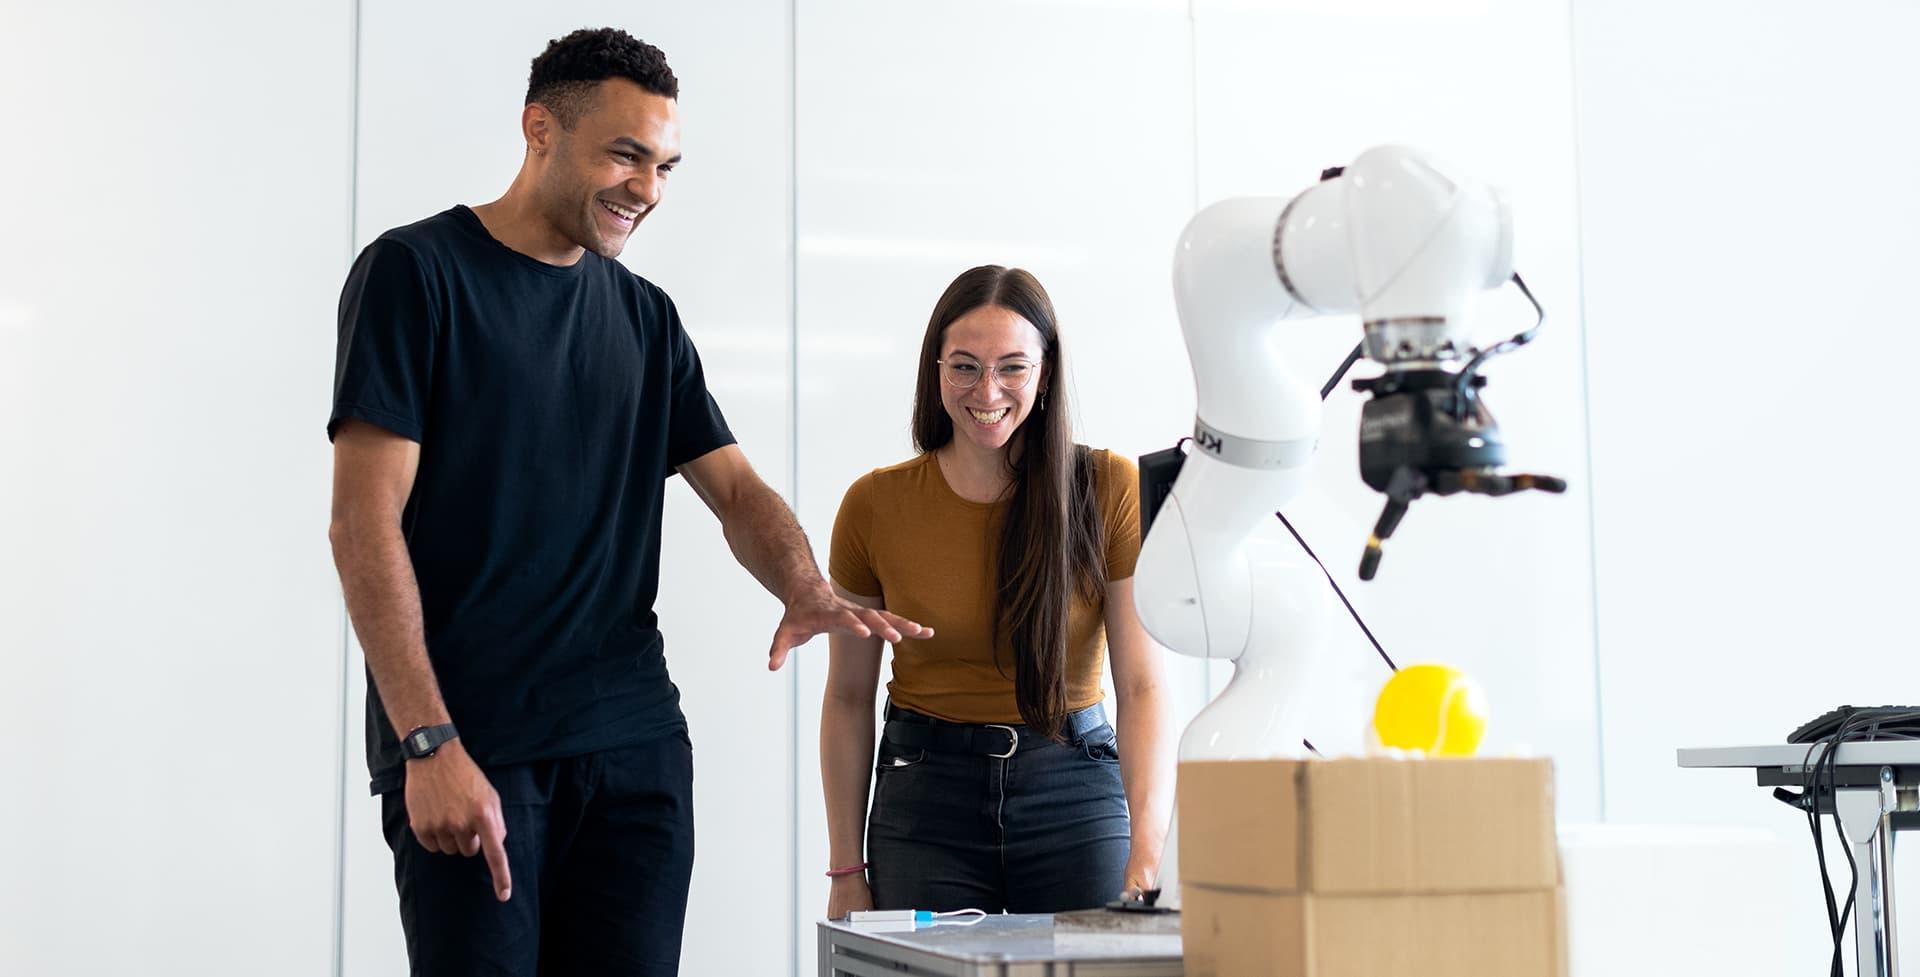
346 649
1193 96
1586 407
1193 140
794 933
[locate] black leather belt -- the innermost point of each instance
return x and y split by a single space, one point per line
921 732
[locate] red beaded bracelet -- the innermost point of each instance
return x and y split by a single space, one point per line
834 873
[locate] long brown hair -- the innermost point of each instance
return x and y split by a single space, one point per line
1052 540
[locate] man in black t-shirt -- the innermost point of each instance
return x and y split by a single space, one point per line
508 403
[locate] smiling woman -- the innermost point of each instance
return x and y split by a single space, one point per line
1001 784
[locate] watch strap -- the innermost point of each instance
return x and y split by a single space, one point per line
421 741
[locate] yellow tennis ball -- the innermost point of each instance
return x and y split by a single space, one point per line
1433 708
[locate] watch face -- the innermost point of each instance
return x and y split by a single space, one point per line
420 742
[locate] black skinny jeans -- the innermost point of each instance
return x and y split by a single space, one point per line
1042 831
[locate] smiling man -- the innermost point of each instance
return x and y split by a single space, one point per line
508 404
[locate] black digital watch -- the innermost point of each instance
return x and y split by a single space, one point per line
423 741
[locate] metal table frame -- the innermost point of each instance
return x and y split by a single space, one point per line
1876 792
1000 946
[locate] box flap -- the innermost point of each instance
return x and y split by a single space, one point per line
1226 933
1239 823
1469 824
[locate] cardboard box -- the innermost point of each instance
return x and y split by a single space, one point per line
1442 867
1233 933
1368 826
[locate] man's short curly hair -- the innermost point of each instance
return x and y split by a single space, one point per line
564 75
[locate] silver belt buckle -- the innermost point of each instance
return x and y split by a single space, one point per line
1013 741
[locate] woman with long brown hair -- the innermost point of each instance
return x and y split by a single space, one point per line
1000 784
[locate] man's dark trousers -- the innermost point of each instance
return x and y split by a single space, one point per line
601 851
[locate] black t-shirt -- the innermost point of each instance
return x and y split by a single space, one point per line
550 405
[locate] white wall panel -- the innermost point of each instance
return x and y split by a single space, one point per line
1501 587
1750 227
440 94
935 137
174 190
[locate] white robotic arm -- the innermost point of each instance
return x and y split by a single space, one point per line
1406 244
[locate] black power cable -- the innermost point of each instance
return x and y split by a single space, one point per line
1463 386
1353 357
1821 775
1359 350
1342 594
1326 389
1810 783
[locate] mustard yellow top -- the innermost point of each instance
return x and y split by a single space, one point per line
903 535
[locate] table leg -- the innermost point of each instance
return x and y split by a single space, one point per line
1861 824
1884 864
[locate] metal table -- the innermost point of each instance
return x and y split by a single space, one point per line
1874 791
996 946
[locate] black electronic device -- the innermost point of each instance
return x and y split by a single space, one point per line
1158 472
1141 901
1866 722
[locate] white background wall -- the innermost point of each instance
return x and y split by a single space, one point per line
182 191
173 229
1749 217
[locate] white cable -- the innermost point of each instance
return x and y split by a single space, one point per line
913 915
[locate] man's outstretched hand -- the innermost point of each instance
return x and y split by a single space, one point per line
820 610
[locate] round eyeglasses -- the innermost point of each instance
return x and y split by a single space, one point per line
963 374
